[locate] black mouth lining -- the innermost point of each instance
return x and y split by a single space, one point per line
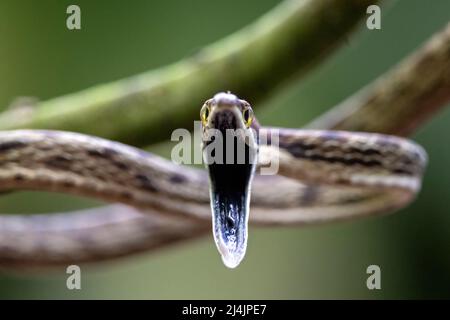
229 184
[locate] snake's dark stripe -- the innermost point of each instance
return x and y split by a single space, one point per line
298 150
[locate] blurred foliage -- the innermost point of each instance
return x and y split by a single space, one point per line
39 57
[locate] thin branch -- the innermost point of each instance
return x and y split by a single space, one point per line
401 100
252 62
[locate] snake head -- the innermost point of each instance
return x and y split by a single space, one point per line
230 148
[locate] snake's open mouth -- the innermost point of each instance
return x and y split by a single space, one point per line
230 199
230 179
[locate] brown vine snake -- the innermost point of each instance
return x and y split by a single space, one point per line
323 176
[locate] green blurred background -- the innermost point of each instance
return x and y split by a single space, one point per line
39 57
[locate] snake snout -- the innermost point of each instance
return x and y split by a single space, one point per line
225 99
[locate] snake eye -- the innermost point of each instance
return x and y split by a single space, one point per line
204 114
247 115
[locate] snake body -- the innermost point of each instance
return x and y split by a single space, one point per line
323 176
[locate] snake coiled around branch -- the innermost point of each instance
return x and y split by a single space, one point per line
323 176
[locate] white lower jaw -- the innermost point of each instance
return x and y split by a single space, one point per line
232 261
231 256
